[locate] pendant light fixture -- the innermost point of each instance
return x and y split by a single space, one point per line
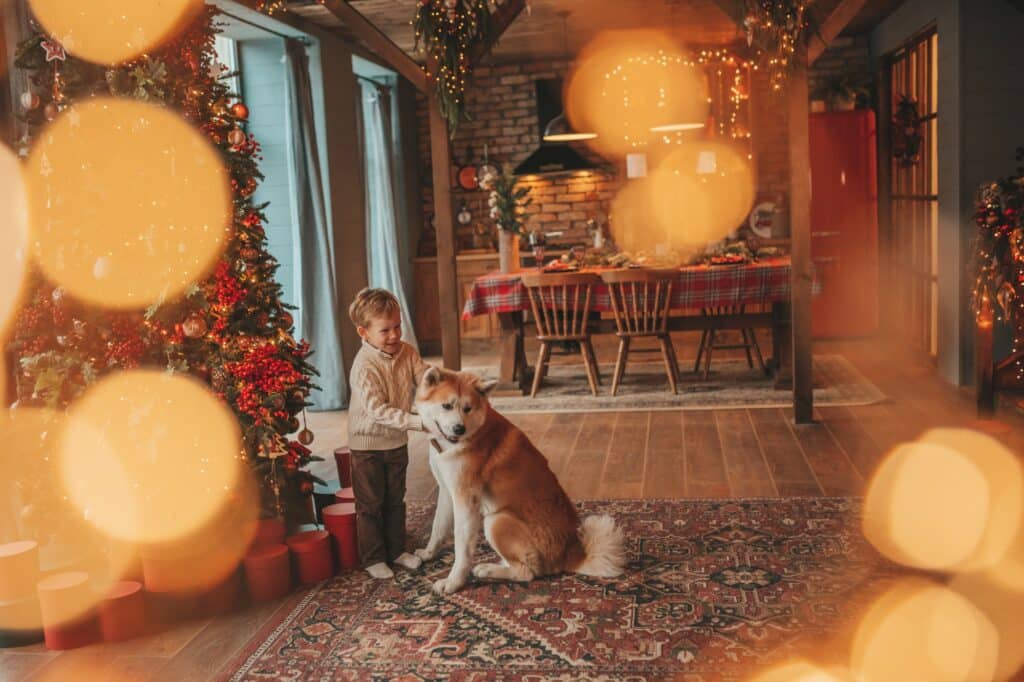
558 129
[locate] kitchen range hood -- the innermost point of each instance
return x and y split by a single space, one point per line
552 157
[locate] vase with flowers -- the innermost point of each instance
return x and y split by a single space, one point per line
508 203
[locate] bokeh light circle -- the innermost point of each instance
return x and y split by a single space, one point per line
923 631
802 671
1003 607
626 82
148 456
927 507
128 204
113 31
40 513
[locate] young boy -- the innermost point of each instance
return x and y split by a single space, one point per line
383 380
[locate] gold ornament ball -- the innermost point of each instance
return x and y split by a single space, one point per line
194 326
29 100
50 111
236 137
240 111
305 436
285 319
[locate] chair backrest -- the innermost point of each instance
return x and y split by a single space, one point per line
560 302
641 299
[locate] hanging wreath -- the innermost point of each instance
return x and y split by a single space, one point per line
448 30
906 133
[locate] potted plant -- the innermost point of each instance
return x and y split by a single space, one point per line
843 91
508 204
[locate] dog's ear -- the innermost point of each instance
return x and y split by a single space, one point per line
484 387
432 377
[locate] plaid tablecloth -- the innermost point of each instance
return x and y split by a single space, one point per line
697 286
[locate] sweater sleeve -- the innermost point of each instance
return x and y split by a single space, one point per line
377 407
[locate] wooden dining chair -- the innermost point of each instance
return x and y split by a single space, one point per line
711 340
561 307
641 300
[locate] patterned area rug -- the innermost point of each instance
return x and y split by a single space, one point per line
645 387
714 590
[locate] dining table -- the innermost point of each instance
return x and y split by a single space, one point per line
762 285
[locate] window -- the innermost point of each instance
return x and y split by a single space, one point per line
913 192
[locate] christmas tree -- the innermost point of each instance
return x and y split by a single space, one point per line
230 330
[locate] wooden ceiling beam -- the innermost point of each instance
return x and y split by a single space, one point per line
363 29
502 18
832 26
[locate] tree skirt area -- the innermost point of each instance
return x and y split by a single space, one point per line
731 384
714 590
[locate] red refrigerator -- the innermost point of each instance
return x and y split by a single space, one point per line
844 223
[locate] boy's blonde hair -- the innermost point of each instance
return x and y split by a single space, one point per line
371 303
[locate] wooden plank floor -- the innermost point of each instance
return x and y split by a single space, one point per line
691 454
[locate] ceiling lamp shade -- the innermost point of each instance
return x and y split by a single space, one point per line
559 130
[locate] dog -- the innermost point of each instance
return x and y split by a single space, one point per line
489 474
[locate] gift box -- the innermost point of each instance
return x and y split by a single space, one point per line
122 613
268 572
269 532
225 597
20 622
340 522
345 495
66 606
312 557
19 570
343 460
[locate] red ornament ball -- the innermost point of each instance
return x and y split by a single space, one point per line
50 111
236 137
194 326
306 488
240 111
305 436
285 319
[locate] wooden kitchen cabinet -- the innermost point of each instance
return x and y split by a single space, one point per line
427 319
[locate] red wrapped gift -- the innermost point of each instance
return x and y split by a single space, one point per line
225 597
65 603
340 521
123 612
269 532
345 495
343 460
19 570
268 572
311 553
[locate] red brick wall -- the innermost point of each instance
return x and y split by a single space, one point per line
501 102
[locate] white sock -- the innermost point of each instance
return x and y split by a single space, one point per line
406 560
380 571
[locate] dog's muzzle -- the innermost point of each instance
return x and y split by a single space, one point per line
450 439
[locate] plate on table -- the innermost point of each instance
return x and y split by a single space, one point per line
728 260
560 266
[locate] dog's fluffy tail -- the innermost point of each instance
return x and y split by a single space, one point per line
604 553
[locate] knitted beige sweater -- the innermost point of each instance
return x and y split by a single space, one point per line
383 386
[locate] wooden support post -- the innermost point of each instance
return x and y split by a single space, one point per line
800 236
447 282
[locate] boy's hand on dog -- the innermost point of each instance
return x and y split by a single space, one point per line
424 554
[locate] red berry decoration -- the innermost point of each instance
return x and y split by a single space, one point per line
240 111
305 436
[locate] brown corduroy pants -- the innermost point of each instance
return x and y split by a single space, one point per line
378 481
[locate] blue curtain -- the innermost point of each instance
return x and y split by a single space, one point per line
313 242
384 251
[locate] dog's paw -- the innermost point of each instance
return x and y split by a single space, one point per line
486 571
424 554
446 586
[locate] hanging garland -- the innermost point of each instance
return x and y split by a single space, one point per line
906 133
448 30
776 28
